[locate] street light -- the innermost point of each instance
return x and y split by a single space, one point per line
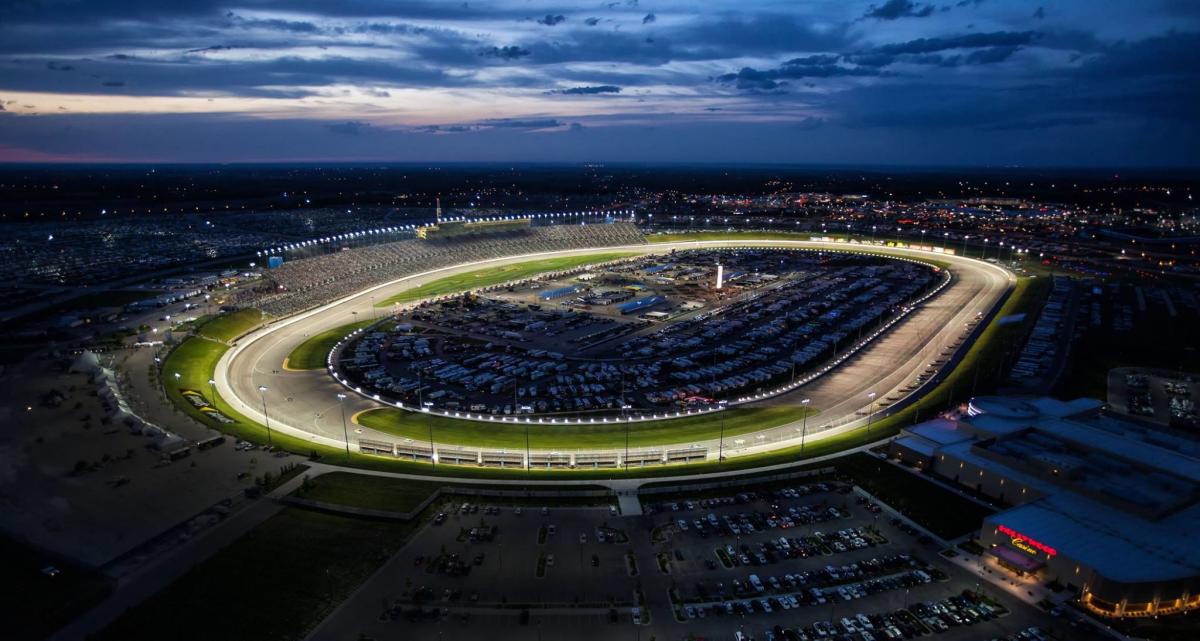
262 391
804 425
870 414
212 391
345 430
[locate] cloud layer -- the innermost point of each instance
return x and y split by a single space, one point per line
975 82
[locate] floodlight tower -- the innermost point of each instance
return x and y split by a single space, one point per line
720 275
437 214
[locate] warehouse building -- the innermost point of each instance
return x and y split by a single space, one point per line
1105 506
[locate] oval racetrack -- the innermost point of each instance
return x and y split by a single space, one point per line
305 403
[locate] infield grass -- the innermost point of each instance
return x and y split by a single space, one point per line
311 353
679 431
496 275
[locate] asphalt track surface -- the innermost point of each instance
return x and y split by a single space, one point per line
305 404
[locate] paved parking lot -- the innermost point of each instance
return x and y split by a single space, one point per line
874 568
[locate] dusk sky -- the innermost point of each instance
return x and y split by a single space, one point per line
945 82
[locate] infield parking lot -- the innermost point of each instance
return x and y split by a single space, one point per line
546 574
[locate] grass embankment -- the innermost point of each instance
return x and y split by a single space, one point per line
402 495
227 327
367 492
497 275
311 353
278 581
682 431
981 367
195 359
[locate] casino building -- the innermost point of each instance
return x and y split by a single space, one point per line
1104 505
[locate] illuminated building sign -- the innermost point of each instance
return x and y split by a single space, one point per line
1022 542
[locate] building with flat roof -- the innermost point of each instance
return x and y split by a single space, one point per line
1107 506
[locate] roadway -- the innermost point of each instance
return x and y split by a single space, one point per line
304 403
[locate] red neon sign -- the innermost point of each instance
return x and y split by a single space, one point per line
1017 537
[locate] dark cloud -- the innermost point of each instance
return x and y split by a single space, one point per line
199 50
896 9
967 41
348 128
59 66
591 22
511 52
650 17
1039 13
287 77
759 80
587 90
523 123
551 20
276 24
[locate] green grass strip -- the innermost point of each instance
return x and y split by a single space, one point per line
311 353
680 431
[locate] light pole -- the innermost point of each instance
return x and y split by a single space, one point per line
262 391
625 415
429 424
870 414
526 408
721 445
964 249
212 391
345 429
804 425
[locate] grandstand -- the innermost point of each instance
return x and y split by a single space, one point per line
303 284
458 229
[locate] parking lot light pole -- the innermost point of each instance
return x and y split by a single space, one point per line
212 391
429 424
721 446
345 429
804 425
262 391
625 414
526 408
870 414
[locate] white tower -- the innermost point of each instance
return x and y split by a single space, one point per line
720 275
437 215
